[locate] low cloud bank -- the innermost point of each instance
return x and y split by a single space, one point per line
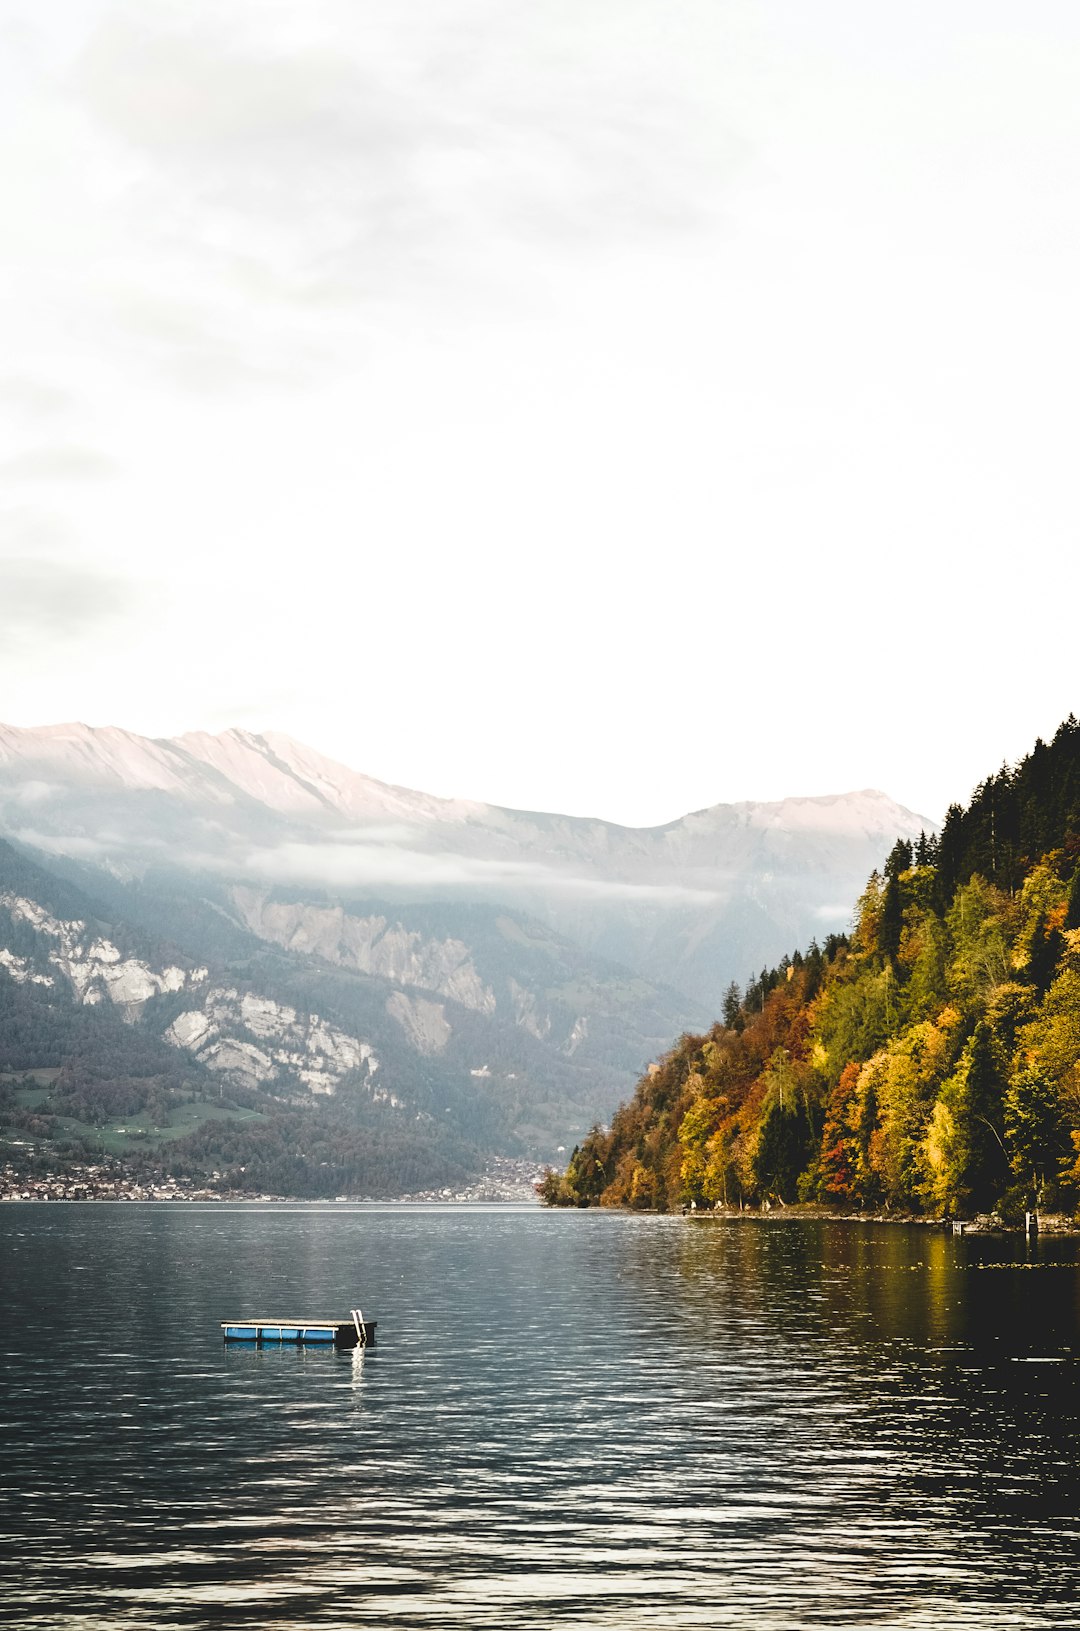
356 865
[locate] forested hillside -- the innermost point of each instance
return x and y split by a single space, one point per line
929 1061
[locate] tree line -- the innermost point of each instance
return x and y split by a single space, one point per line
926 1062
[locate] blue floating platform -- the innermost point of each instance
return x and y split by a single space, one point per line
353 1332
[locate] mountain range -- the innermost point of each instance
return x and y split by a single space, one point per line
292 929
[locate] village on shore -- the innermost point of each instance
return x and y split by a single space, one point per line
505 1179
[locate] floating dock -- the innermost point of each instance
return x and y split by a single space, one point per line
354 1332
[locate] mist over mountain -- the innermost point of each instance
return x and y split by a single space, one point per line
301 935
691 904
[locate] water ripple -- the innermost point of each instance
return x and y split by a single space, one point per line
582 1421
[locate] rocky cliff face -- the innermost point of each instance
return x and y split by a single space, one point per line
89 963
369 944
256 1041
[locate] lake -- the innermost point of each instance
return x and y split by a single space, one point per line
571 1419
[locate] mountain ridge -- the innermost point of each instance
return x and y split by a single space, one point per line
213 751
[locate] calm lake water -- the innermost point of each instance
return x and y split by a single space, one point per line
570 1419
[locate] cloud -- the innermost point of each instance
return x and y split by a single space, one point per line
430 118
64 463
354 864
33 792
31 398
390 865
210 339
78 846
362 152
49 599
399 833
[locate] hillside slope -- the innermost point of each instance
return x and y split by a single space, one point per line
929 1061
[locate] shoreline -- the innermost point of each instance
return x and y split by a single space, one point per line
1049 1223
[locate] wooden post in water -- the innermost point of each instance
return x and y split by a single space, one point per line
1031 1223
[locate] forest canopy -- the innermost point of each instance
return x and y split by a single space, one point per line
926 1062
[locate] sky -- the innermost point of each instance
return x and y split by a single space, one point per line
607 406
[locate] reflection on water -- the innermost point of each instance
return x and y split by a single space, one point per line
569 1419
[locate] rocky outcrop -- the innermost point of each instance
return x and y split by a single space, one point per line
257 1042
424 1022
93 967
578 1033
527 1011
370 945
22 969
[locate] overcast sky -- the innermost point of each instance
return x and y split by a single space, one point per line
612 406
